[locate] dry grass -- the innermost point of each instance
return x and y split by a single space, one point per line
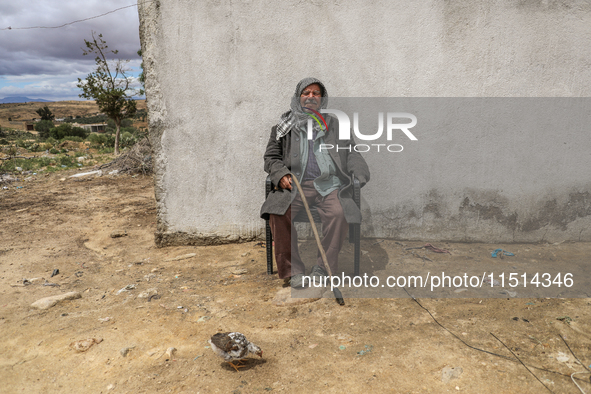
21 112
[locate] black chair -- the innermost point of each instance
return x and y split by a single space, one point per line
354 229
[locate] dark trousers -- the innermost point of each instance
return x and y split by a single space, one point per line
334 231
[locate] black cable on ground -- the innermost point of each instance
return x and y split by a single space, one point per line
482 350
571 352
518 359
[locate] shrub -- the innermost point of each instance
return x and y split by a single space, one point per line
97 139
67 130
54 151
73 138
25 164
66 161
110 140
43 127
3 142
127 139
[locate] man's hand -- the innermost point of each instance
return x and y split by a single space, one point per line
285 182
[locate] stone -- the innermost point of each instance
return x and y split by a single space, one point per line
449 373
170 352
118 233
183 257
148 293
85 344
125 351
285 297
48 302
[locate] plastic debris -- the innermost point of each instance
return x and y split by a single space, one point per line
126 288
563 358
98 173
342 347
436 250
368 349
502 253
55 272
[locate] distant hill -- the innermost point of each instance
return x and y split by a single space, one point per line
18 113
16 99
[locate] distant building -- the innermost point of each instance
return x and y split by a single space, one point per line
93 127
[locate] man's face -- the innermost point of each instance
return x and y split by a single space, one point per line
311 97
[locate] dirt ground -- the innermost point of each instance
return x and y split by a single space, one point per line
178 300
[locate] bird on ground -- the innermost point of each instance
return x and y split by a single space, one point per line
233 346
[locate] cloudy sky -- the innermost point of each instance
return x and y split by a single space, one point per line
47 62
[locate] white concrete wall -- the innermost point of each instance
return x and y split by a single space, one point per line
220 73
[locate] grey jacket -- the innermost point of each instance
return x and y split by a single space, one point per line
282 157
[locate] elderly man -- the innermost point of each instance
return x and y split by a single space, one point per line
325 176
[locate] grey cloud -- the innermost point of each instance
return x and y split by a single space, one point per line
119 29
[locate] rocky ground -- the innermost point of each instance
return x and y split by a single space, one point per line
138 301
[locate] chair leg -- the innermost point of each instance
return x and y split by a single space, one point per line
357 247
269 247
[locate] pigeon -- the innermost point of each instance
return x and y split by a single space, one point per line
233 346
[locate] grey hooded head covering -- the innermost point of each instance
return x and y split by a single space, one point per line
296 116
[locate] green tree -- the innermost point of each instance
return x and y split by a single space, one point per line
142 76
108 85
43 127
67 130
45 113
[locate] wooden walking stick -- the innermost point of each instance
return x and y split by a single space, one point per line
336 291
